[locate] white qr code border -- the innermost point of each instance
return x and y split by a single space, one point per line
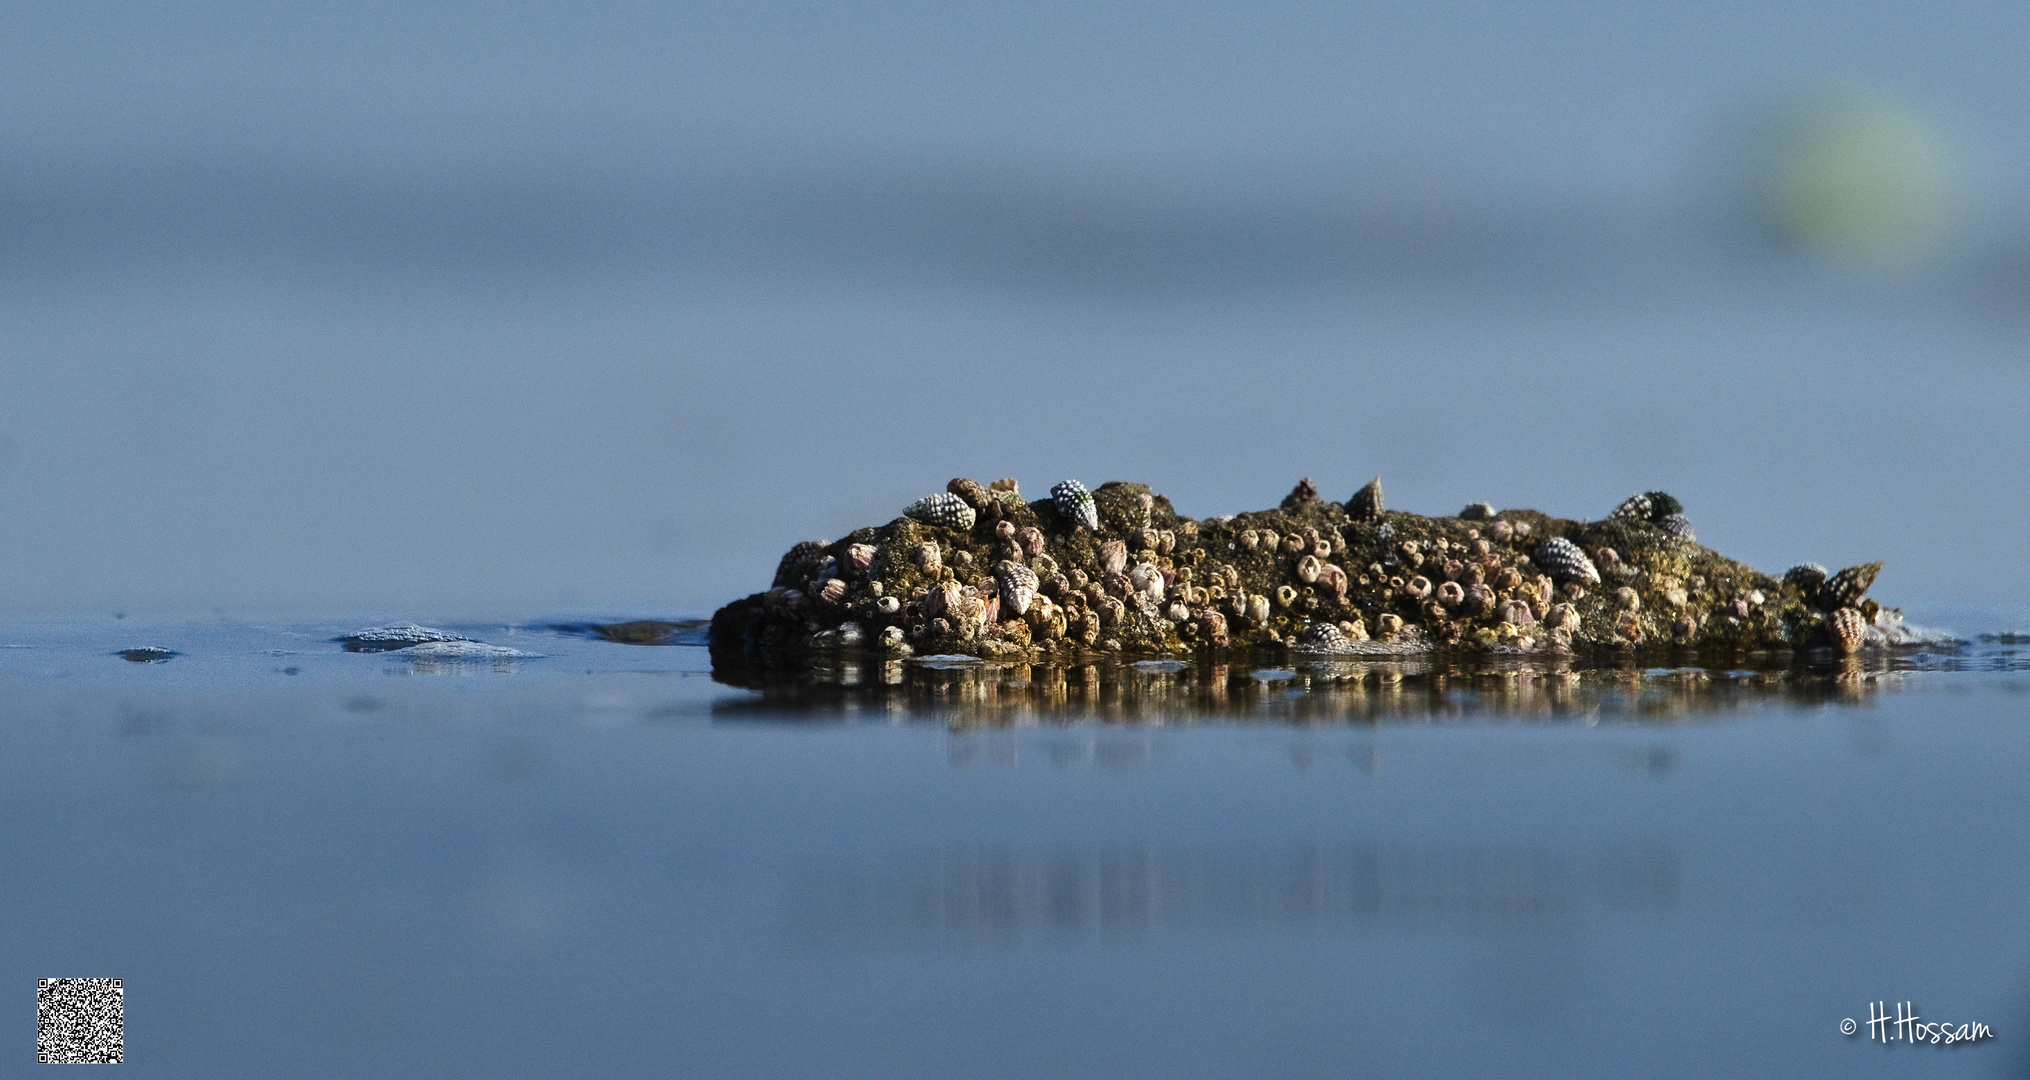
98 1004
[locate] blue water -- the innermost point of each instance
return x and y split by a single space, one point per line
305 861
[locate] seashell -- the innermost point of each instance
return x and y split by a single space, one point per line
1574 591
1523 529
1111 611
1390 625
939 626
1515 612
1147 580
891 638
1250 540
1302 495
1212 627
1677 527
1018 588
888 605
1847 626
1075 504
1044 565
1508 579
944 510
858 558
1417 588
1366 504
1166 542
1187 527
1294 543
1607 557
1117 585
1322 637
1475 574
1031 539
1807 577
1333 578
875 589
1738 608
1078 579
787 571
1845 588
1113 557
1451 594
1633 508
962 558
1629 628
1480 547
1285 596
1479 600
1453 570
1683 629
1477 512
1258 609
1307 569
1563 560
1561 617
792 601
1005 488
1626 599
1501 532
1177 612
971 491
1004 530
834 591
850 634
1270 539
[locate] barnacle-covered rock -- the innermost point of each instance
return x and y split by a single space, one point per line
1366 504
1564 561
943 509
1140 578
1075 504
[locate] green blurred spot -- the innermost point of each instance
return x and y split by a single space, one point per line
1859 180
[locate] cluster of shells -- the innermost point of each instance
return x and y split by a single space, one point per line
977 570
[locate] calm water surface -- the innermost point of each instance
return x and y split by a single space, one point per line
606 861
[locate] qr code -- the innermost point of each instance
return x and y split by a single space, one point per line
79 1021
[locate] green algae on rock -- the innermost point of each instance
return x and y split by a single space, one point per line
986 574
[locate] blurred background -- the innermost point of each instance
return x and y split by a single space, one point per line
498 311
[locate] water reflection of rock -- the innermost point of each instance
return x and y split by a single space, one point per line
976 695
961 893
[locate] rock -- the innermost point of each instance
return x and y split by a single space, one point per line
1264 572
